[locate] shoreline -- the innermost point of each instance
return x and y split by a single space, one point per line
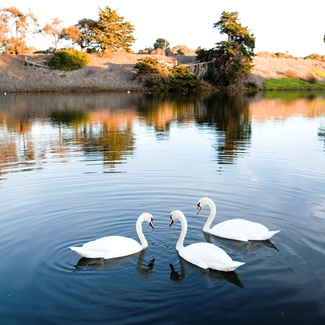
116 73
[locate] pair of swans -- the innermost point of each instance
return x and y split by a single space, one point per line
204 255
207 255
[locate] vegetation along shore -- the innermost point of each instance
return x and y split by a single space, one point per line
116 73
107 63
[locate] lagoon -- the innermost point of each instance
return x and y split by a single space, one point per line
77 167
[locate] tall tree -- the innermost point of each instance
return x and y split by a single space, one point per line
17 27
113 33
54 30
231 58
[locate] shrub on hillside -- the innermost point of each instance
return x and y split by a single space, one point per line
69 59
290 74
315 56
161 76
311 78
149 65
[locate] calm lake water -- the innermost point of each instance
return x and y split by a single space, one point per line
77 167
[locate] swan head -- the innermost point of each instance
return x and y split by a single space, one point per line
202 203
148 218
175 215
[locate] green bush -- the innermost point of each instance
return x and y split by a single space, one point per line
161 77
69 59
149 65
251 85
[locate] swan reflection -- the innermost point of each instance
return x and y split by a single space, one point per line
241 246
209 274
114 263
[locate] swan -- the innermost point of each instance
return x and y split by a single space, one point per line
236 229
204 255
116 246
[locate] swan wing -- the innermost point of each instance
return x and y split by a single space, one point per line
108 247
243 230
209 256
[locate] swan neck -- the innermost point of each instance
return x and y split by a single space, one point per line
211 216
141 236
180 243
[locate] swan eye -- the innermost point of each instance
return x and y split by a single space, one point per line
198 205
151 218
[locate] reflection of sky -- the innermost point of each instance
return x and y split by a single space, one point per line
185 145
288 136
318 210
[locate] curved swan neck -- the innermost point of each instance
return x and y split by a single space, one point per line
141 236
180 242
212 206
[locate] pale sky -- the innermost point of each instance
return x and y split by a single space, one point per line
292 26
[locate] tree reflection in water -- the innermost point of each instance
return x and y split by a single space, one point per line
100 127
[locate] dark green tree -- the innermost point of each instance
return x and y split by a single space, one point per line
112 33
161 43
231 59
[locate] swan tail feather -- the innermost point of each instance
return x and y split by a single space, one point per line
86 253
235 265
229 267
263 236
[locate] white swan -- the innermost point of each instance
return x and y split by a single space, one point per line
116 246
237 229
204 255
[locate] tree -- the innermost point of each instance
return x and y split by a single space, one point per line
72 33
3 32
232 58
161 43
16 27
113 33
82 33
54 30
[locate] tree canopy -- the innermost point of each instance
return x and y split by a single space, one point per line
54 30
82 33
112 33
161 43
14 29
109 33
